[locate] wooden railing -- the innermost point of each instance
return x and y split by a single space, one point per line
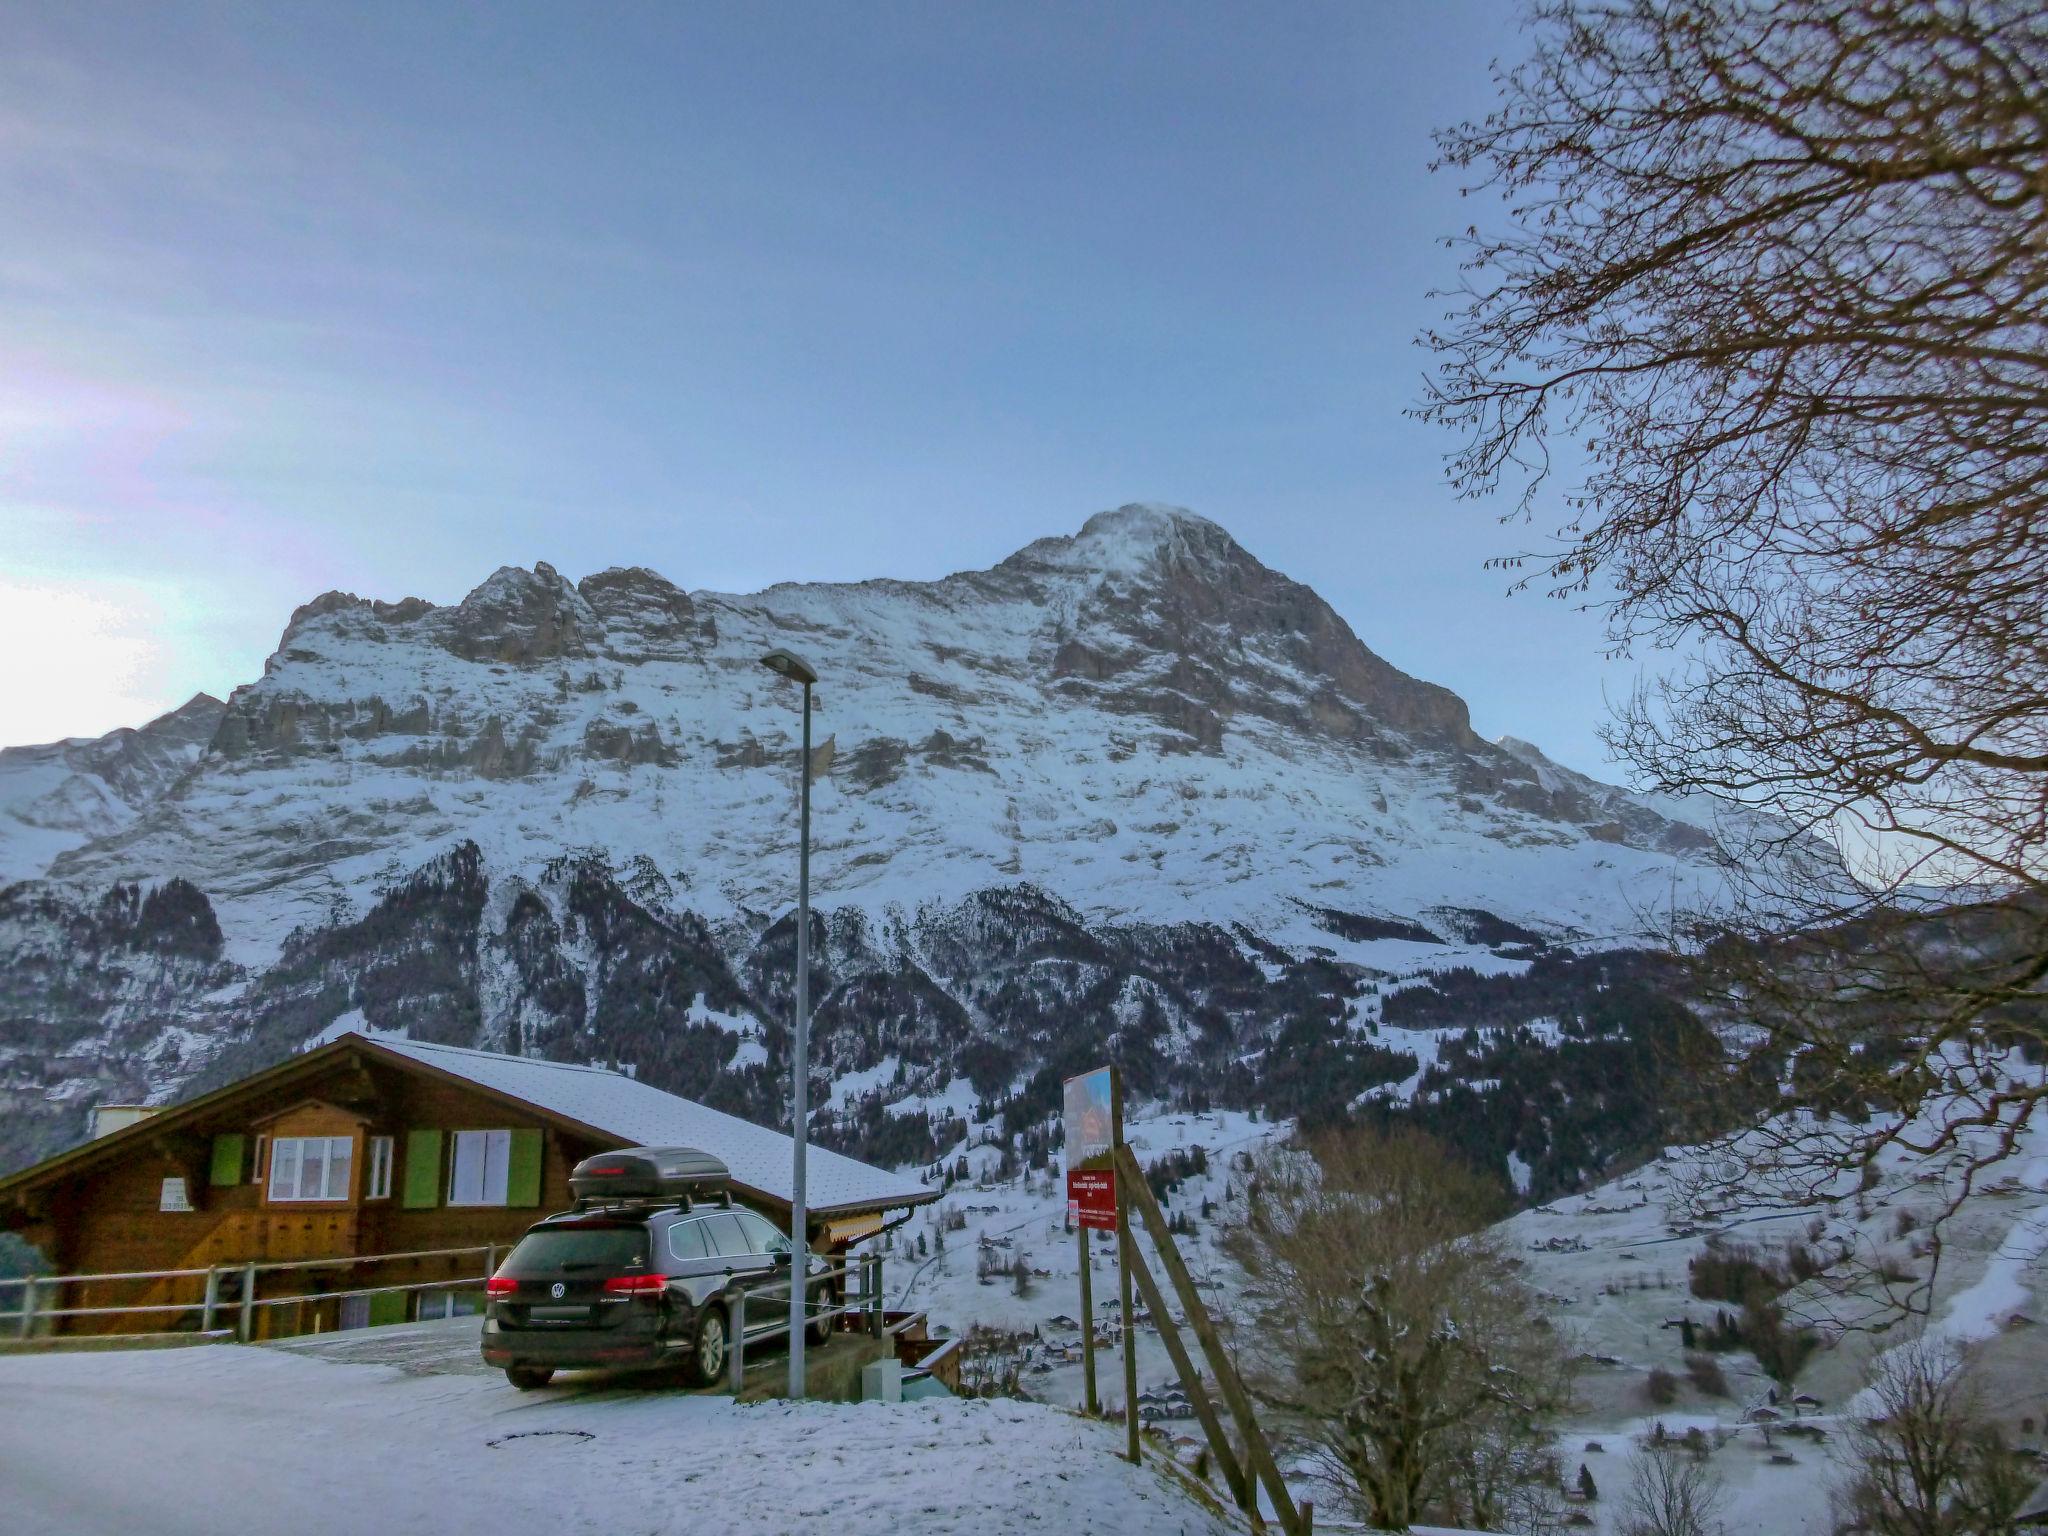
29 1314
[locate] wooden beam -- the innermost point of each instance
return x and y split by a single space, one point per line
1169 1335
1257 1450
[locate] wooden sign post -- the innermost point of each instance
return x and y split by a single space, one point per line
1094 1128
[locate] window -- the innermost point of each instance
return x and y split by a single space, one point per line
729 1239
556 1251
686 1241
477 1173
379 1185
311 1167
762 1233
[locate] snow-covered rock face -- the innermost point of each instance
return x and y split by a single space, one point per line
1128 782
58 797
1141 719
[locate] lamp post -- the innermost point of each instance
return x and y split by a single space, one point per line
786 664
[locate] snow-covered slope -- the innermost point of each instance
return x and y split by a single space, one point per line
1140 719
58 797
1129 792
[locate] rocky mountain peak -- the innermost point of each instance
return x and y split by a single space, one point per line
644 613
1131 540
518 615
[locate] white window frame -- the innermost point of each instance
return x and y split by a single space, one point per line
479 1168
377 1174
288 1156
259 1170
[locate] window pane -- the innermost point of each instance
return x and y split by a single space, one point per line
380 1168
466 1185
728 1236
763 1233
312 1165
284 1170
497 1165
686 1240
569 1249
341 1153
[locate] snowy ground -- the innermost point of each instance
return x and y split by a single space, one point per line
194 1442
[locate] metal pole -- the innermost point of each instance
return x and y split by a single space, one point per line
28 1306
736 1339
799 1236
211 1305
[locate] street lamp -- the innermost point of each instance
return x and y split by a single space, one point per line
788 665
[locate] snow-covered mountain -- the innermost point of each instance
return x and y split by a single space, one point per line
1122 792
61 796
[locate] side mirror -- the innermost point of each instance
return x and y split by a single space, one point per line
784 1259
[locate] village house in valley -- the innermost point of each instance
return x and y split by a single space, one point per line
375 1155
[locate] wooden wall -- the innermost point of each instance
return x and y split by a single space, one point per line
107 1218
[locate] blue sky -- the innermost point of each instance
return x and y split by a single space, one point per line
381 297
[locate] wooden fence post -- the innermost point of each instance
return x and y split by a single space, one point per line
246 1330
1087 1327
1126 1251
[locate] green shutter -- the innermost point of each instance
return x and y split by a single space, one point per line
228 1151
522 1177
422 1170
387 1307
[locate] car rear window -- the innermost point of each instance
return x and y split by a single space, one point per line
572 1250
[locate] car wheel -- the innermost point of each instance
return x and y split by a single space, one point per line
527 1377
819 1332
707 1357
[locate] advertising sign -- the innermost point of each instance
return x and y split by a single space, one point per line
1090 1117
173 1196
1091 1197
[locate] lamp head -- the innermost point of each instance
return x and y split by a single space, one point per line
790 665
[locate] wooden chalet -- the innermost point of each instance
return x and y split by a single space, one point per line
373 1145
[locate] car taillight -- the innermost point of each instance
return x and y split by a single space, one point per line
636 1285
500 1285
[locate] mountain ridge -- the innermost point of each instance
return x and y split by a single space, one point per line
1127 792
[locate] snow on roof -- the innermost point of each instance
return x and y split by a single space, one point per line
645 1116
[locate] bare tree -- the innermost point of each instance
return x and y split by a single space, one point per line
1921 1460
1671 1492
1778 274
1395 1334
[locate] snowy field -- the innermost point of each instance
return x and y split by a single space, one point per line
195 1442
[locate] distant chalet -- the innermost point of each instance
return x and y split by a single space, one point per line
374 1145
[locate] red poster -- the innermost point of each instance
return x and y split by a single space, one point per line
1091 1197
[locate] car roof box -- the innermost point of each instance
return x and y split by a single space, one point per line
648 1173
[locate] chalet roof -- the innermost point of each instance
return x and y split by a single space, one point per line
644 1116
605 1104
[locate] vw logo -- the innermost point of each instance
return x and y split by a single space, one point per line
558 1290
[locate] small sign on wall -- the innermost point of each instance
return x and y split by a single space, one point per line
174 1197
